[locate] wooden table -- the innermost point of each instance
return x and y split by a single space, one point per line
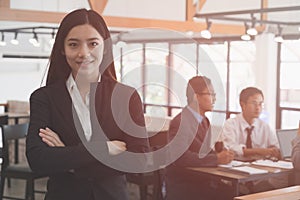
290 193
218 173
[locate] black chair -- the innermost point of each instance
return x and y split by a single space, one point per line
3 119
155 178
143 180
16 171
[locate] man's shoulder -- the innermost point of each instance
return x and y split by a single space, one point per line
234 120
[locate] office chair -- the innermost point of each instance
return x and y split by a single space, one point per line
17 171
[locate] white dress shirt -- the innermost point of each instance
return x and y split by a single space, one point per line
82 108
234 134
83 112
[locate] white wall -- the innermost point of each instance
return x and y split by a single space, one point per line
19 78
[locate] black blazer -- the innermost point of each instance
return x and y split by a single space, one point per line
74 173
181 182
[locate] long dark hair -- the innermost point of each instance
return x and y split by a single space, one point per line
59 69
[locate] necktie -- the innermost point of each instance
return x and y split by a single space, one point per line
205 124
249 140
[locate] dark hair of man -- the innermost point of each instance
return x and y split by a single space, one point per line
59 69
248 92
196 85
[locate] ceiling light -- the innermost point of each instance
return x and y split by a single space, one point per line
278 36
14 41
189 33
34 41
2 42
52 40
206 33
252 30
246 37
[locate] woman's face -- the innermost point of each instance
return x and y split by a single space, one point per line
83 48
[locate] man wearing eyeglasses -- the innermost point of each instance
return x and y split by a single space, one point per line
247 135
189 140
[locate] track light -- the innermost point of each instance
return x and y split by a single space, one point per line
251 30
206 33
246 36
189 33
278 36
2 42
14 41
52 40
34 41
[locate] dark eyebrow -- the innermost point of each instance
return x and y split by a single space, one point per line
95 38
89 39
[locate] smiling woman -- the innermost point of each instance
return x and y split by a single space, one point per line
81 82
84 52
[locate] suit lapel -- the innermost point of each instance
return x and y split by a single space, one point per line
63 103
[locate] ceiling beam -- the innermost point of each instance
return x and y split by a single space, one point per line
182 26
264 4
5 3
97 5
201 4
253 11
190 10
7 14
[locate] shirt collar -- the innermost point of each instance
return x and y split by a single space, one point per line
245 123
71 82
198 117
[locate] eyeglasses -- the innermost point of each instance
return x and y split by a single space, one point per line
208 93
254 103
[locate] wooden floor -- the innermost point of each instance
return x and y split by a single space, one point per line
17 189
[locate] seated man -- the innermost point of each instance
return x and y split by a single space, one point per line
246 134
189 140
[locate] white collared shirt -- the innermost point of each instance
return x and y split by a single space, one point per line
82 108
198 117
234 134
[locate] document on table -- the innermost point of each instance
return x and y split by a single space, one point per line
279 164
246 170
234 163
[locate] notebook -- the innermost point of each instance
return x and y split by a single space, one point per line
245 170
285 137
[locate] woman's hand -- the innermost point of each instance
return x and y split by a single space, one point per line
50 138
116 147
